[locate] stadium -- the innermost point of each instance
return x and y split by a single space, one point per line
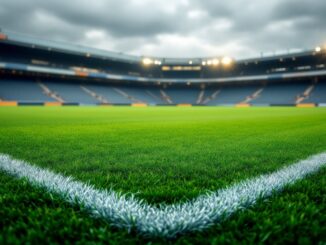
106 147
57 73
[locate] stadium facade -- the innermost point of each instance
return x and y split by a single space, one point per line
40 72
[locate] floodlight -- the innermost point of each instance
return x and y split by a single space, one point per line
215 62
147 61
318 49
226 60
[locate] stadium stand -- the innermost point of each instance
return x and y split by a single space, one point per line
71 93
276 94
38 71
128 96
157 95
318 95
109 93
140 95
232 94
280 93
23 91
49 92
92 93
183 95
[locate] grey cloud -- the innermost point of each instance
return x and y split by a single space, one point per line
117 18
133 25
301 8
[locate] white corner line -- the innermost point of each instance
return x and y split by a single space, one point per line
167 220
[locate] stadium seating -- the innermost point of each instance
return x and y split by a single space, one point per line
74 74
280 93
183 95
141 95
71 92
109 93
231 94
318 95
157 95
23 91
92 93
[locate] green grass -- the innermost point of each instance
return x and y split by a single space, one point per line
163 155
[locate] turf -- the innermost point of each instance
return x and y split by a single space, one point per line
164 155
32 216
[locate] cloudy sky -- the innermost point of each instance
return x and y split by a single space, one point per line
173 28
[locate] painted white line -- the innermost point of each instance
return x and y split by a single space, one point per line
166 220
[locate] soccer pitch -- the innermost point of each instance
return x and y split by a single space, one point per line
162 155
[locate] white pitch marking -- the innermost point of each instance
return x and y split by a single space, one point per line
167 220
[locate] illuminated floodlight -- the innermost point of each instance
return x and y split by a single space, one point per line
190 62
203 63
209 62
215 62
147 61
318 49
157 62
226 60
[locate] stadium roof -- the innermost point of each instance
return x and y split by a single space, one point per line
27 40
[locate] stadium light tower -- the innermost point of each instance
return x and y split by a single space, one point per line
318 49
